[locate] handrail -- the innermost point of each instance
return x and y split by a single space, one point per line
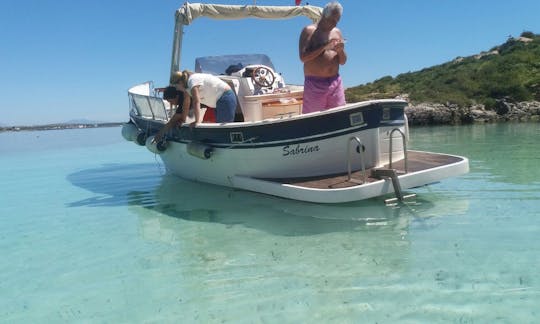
362 164
404 149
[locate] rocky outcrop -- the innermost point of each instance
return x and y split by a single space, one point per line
450 114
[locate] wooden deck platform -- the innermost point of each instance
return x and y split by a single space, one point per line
417 161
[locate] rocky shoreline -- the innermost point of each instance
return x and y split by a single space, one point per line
418 114
449 114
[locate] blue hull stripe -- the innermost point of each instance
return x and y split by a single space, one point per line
286 131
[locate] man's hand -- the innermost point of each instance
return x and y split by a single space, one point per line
335 44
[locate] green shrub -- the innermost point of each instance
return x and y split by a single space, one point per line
513 72
489 103
527 34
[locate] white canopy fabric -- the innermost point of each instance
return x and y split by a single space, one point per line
191 11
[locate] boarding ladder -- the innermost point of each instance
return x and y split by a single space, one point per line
360 150
391 173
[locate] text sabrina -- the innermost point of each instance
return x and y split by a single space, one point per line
295 150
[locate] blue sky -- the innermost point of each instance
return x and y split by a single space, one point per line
62 60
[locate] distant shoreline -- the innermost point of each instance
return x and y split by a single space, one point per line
418 114
58 126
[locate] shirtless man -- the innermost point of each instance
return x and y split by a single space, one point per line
322 51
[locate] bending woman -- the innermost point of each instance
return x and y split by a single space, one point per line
176 100
207 89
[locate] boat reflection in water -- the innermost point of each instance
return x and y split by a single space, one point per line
172 196
213 247
200 202
225 233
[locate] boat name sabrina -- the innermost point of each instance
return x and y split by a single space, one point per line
287 150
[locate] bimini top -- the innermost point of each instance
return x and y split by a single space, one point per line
191 11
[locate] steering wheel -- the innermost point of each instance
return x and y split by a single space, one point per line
263 77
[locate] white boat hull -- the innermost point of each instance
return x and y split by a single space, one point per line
327 156
255 156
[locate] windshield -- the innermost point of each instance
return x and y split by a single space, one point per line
227 64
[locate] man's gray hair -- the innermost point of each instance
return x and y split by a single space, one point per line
332 7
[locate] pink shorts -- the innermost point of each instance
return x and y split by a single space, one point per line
321 93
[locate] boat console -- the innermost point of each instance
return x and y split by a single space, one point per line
261 92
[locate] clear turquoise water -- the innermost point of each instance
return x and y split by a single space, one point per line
92 230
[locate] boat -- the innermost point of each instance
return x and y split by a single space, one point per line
348 153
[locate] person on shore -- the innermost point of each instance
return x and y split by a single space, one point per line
206 89
176 99
322 50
